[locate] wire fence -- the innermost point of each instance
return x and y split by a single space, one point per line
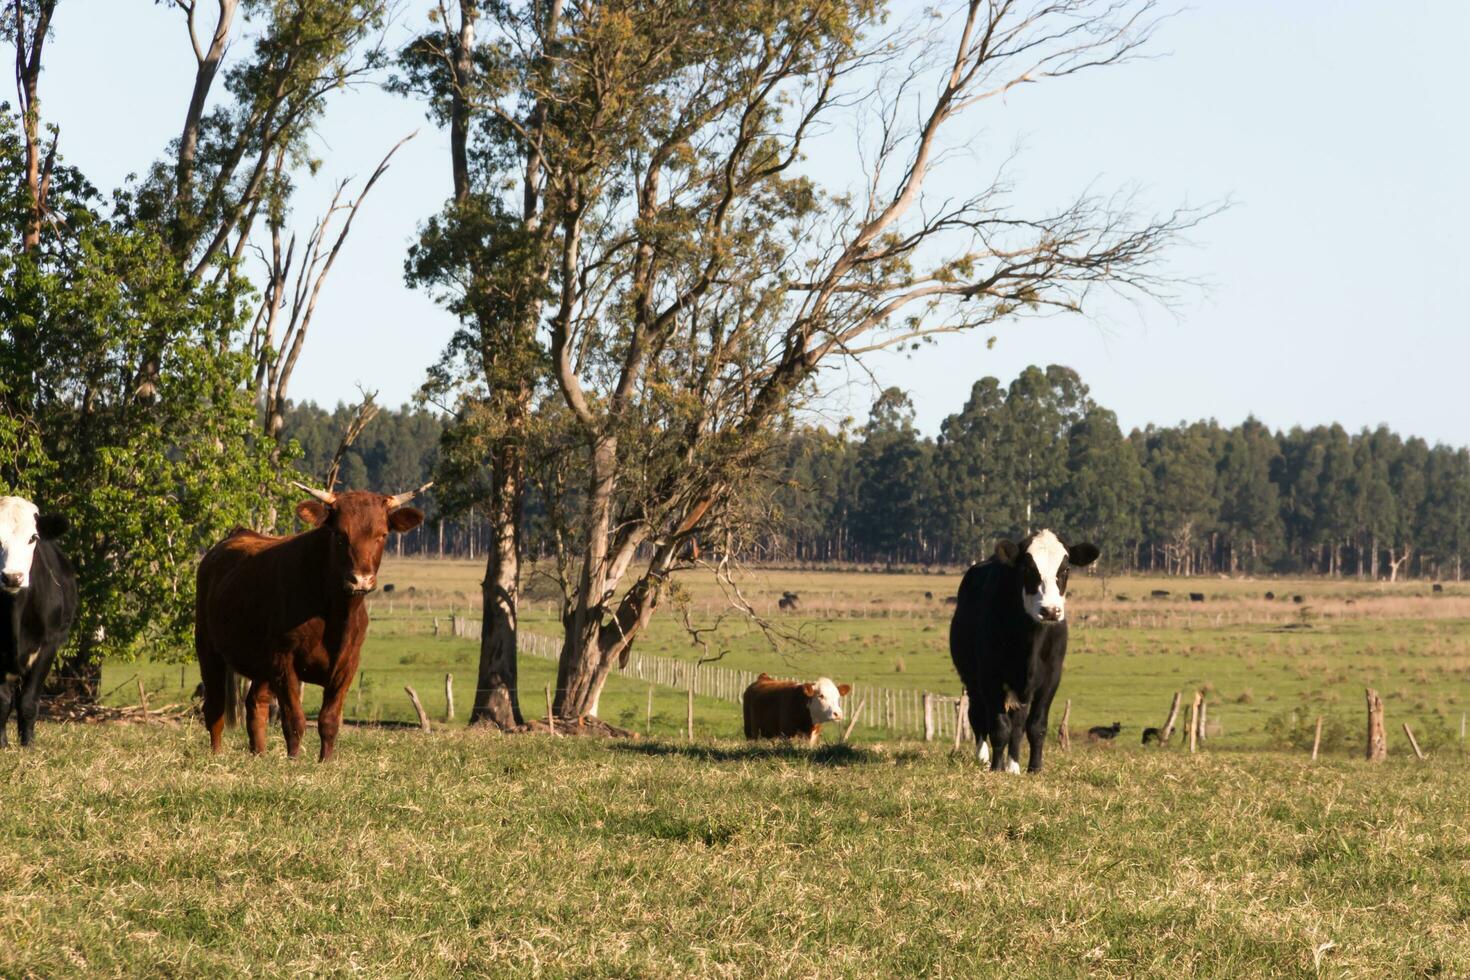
905 712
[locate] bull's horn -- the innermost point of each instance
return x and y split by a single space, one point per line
399 499
325 496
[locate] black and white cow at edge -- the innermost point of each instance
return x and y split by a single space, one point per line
1008 639
38 602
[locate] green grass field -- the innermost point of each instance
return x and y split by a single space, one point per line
127 850
1268 668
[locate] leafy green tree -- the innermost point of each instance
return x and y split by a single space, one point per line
146 487
1100 500
1250 505
1178 499
893 498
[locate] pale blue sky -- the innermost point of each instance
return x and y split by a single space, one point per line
1338 128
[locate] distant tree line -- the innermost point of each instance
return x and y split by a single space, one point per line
1192 498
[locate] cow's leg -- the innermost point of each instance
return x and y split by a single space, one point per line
293 716
257 706
329 719
979 718
1036 729
7 698
990 717
1018 732
26 701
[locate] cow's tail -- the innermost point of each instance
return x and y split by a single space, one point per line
232 698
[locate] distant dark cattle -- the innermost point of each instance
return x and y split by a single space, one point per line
1152 736
788 602
1160 593
1270 596
38 604
1296 598
281 611
929 596
1437 587
1196 597
791 709
1105 733
388 589
1008 639
1120 597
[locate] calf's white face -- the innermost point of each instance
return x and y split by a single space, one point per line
1044 562
824 700
19 535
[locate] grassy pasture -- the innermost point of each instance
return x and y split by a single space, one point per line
1269 667
128 850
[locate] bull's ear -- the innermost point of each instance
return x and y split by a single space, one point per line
50 526
844 689
1082 554
1006 551
810 690
405 519
312 512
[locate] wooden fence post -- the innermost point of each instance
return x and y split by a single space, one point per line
1194 721
648 718
928 717
852 722
1204 707
1413 741
448 697
1168 730
1064 737
689 716
1317 739
550 718
418 707
1377 741
961 708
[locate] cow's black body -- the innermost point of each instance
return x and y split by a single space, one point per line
1011 665
35 621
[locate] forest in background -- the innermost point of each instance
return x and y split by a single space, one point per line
1192 498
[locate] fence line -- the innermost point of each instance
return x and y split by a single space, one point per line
900 711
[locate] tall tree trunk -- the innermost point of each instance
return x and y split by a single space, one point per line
30 40
497 698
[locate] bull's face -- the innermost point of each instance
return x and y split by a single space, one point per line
824 700
357 524
22 527
1043 561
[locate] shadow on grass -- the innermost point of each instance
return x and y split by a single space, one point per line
824 755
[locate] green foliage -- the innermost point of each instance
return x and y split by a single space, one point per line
148 478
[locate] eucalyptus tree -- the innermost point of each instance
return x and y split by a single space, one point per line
126 361
707 279
653 277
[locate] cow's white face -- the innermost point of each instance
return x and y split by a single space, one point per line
824 700
19 535
1044 578
1044 563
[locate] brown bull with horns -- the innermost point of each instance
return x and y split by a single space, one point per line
280 611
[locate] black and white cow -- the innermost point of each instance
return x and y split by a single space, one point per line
38 602
1008 638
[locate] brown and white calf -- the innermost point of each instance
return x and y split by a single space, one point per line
791 709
